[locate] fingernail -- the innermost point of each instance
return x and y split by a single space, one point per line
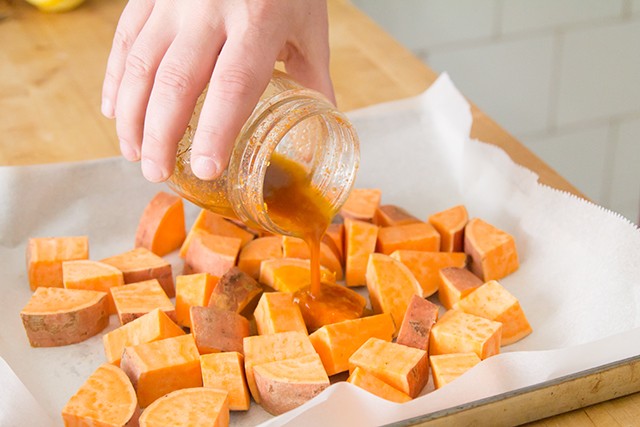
128 152
204 167
107 108
152 171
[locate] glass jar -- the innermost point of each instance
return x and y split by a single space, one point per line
292 121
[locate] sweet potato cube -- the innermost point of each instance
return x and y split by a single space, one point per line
236 291
58 316
256 251
216 330
45 256
209 253
291 274
450 224
419 236
336 342
404 368
187 407
286 384
153 326
360 243
334 238
293 247
333 303
426 266
225 371
192 290
416 326
460 332
374 385
492 301
492 251
160 367
447 367
361 204
276 312
391 286
161 228
260 349
456 283
141 264
217 225
137 299
93 276
392 215
106 398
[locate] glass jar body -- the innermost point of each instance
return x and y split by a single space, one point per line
292 121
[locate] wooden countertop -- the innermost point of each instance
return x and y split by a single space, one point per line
51 69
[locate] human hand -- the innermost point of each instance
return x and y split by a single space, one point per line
166 51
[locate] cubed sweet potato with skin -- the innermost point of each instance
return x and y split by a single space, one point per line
93 276
293 247
153 326
334 238
425 266
450 224
57 316
404 368
419 236
336 342
492 301
162 228
192 290
416 326
141 264
217 225
392 215
216 330
447 367
492 251
286 384
106 398
188 407
210 253
276 312
460 332
333 303
369 382
236 291
160 367
258 250
456 283
291 274
361 204
360 242
137 299
225 371
45 256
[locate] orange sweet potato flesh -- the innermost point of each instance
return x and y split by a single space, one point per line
153 326
258 250
493 252
216 225
236 291
197 406
141 264
334 238
162 228
286 384
216 330
225 371
459 332
45 256
276 312
419 236
392 215
450 224
447 367
360 243
334 303
160 367
367 381
404 368
361 204
57 316
106 399
210 253
293 247
192 290
456 283
416 326
93 276
137 299
290 274
425 266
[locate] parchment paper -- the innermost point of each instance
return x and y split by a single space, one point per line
578 282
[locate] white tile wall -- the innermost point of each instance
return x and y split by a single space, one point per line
523 15
625 183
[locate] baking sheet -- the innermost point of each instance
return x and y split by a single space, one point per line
578 280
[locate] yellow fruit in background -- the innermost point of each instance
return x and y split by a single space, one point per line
56 5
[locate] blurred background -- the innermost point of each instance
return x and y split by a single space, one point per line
562 76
